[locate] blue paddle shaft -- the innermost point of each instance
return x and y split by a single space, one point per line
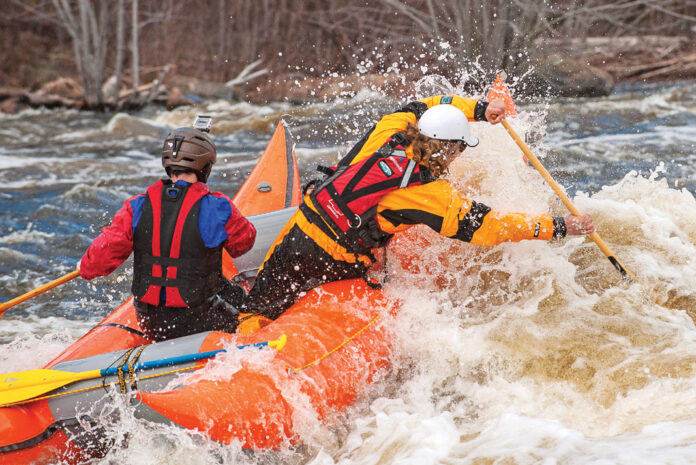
166 362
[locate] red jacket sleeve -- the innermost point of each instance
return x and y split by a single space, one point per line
241 234
112 247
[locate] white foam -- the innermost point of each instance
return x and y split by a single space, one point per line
529 352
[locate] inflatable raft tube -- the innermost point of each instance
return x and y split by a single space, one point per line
336 346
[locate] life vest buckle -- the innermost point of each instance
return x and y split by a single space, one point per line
355 224
173 192
398 139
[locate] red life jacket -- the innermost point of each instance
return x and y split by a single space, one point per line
169 252
347 199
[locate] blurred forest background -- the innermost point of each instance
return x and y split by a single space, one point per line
119 51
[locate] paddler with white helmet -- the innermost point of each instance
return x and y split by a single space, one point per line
389 182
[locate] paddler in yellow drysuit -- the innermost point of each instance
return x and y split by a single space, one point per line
387 183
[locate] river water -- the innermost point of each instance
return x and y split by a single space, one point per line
525 353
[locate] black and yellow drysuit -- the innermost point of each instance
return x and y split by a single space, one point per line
308 253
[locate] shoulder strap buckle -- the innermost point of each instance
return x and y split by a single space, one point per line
397 139
356 223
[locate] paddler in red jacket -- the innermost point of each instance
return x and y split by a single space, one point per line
176 231
387 183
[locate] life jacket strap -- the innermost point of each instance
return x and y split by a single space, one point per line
408 172
348 242
327 170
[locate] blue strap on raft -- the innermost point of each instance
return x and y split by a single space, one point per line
165 362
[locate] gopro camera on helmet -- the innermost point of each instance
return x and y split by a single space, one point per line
203 123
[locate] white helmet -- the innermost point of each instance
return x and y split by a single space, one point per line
446 122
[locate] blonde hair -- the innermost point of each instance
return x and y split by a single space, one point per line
425 147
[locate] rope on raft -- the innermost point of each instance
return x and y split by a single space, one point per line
132 378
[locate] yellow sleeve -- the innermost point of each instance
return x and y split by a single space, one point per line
441 207
434 204
498 227
384 129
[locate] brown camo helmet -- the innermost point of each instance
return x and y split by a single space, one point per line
189 149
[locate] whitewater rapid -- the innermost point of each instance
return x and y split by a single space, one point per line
525 353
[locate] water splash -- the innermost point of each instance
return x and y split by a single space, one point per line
520 353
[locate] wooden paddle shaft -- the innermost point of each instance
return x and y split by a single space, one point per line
566 201
39 290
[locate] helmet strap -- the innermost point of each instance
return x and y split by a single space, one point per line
204 173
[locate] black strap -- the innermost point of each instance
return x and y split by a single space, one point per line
342 205
371 189
327 170
312 184
417 108
318 220
167 282
425 175
367 166
125 328
149 259
398 139
322 221
372 236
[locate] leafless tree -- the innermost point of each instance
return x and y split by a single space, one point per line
120 35
135 50
215 39
502 34
85 23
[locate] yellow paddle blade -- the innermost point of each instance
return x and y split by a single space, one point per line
24 385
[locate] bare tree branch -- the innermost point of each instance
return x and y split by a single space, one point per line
246 74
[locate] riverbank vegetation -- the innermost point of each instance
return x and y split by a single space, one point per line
129 53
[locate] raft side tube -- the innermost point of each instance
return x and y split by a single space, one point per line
69 406
337 344
42 417
276 181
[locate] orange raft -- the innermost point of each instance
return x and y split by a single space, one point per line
336 345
